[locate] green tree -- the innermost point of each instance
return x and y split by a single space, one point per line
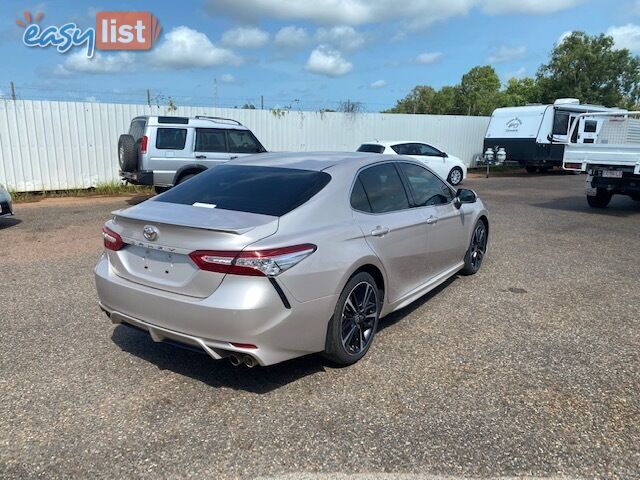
419 100
480 91
447 101
521 92
591 69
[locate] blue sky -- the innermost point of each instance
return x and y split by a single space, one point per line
304 54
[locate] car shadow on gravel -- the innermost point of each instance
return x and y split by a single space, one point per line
620 206
9 222
199 366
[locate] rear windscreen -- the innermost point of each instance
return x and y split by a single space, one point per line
244 188
370 148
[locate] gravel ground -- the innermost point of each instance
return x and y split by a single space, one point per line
528 369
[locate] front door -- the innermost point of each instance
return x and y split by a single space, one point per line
447 230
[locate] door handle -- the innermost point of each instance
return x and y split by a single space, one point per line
233 157
201 156
431 220
379 231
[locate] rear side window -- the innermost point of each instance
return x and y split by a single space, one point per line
359 199
384 188
244 188
427 189
171 138
210 140
370 148
243 141
590 126
136 129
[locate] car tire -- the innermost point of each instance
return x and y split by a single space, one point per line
128 153
477 249
600 200
531 169
351 331
455 176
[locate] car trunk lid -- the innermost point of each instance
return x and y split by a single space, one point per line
160 259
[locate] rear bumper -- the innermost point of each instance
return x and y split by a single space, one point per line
241 310
138 178
629 184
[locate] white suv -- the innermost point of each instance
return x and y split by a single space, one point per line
165 151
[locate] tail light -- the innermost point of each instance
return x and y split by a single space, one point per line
257 263
144 140
112 241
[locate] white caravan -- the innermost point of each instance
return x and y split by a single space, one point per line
535 135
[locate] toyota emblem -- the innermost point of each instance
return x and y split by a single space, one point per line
150 233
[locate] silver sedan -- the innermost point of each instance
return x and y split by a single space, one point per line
6 205
280 255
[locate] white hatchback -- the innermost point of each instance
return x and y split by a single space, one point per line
446 166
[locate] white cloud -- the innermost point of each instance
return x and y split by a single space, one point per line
78 62
184 47
517 74
324 61
427 57
291 37
342 37
378 84
626 36
344 12
507 54
527 7
563 37
245 37
227 78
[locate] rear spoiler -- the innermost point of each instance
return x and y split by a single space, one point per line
227 221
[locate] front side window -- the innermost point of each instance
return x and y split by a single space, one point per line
427 188
171 138
265 190
243 141
384 188
428 150
210 140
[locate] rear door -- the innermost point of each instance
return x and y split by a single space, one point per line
395 232
169 149
211 146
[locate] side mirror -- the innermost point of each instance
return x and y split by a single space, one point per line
464 195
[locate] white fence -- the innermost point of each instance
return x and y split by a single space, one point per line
61 145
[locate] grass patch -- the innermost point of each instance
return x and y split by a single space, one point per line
102 189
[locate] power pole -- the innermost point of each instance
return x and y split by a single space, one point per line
261 102
148 97
215 92
13 90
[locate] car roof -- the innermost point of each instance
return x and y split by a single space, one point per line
193 122
317 161
389 143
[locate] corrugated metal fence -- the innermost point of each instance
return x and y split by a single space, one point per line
61 145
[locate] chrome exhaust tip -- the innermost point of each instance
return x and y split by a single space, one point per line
249 361
235 360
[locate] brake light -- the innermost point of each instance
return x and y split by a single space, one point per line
143 144
112 241
257 263
573 166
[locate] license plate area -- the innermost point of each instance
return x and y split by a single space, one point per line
158 266
612 173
